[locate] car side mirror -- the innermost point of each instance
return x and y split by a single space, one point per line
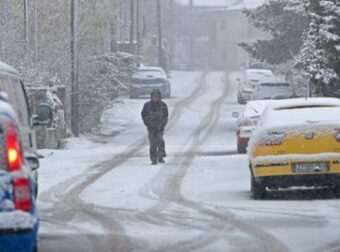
44 115
32 161
235 114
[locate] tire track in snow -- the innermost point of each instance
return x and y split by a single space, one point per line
71 201
167 185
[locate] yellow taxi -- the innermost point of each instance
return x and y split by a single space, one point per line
296 143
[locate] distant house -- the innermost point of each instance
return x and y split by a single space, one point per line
225 27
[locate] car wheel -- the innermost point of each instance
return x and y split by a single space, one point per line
241 149
258 190
336 191
36 191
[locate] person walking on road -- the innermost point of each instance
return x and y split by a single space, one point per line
155 117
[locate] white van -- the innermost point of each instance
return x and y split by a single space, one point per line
249 79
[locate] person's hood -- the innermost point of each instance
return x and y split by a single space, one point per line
156 92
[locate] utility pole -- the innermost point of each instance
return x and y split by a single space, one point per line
26 27
172 37
160 35
132 25
113 31
74 70
138 24
35 17
191 35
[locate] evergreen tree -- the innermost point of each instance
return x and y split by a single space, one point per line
320 55
284 22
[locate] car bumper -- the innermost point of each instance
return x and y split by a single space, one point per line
18 240
282 174
285 168
308 180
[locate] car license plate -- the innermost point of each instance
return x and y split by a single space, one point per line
310 167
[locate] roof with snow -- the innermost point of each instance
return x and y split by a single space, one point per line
227 4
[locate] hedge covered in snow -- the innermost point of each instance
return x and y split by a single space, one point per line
101 79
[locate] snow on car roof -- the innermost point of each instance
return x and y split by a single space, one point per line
259 71
7 68
149 73
255 108
310 102
260 75
299 112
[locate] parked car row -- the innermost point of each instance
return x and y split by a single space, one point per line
19 221
262 84
292 142
247 121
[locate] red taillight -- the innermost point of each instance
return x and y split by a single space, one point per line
14 155
22 194
272 138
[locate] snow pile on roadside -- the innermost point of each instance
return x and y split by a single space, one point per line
17 220
117 118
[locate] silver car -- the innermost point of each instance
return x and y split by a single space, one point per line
147 79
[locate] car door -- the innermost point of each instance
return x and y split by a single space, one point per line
20 105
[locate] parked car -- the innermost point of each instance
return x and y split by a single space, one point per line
272 91
18 164
148 78
296 143
247 121
249 79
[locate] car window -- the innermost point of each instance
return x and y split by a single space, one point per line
150 72
21 101
16 96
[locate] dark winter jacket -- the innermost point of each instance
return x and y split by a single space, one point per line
155 115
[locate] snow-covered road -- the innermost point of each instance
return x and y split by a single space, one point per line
102 194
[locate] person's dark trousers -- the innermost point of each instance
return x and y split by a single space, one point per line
157 145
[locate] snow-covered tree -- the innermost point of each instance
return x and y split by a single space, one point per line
285 22
102 79
320 55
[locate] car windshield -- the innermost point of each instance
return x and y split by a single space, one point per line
275 91
11 86
149 73
148 80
